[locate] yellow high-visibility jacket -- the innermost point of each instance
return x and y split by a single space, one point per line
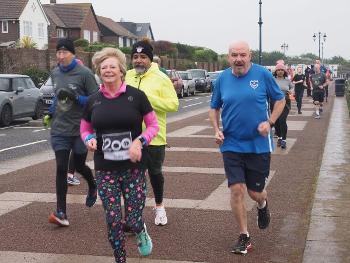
161 94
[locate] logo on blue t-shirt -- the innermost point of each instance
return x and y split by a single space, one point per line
254 84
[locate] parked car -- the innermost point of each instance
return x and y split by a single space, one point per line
189 84
177 82
48 93
213 76
202 80
19 98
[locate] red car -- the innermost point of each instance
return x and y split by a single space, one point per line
177 82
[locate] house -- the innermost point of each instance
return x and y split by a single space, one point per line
23 18
73 21
114 33
141 30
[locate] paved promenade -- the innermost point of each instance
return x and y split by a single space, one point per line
308 191
328 239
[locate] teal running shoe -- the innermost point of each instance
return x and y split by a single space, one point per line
144 242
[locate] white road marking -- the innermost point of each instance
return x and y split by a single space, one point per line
188 130
20 146
197 98
26 127
191 105
9 127
219 199
40 130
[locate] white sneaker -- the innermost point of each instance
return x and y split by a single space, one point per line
161 218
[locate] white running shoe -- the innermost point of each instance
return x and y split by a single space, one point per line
160 219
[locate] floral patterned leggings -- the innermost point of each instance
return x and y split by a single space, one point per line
130 184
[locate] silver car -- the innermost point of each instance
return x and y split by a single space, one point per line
18 98
189 83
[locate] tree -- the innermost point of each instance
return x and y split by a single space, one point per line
338 60
163 48
185 51
205 55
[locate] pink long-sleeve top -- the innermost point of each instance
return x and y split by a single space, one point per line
149 119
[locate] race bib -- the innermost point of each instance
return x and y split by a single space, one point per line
116 146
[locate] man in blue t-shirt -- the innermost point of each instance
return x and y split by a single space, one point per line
242 92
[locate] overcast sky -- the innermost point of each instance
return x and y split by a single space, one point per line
215 24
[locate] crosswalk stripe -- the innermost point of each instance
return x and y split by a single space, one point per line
30 257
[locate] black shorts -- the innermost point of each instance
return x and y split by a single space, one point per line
248 168
318 95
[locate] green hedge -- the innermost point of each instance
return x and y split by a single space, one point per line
37 75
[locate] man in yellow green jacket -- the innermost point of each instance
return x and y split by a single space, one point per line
160 91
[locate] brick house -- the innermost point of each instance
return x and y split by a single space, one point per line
23 18
141 30
73 21
112 32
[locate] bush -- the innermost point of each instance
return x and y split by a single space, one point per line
81 43
27 42
37 75
126 50
97 47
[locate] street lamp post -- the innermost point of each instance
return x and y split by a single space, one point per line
284 47
260 27
319 42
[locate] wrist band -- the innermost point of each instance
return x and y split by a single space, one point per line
142 140
89 137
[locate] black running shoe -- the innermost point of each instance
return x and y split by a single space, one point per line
91 197
279 142
264 217
243 245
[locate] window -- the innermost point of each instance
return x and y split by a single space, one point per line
18 83
139 28
87 35
121 42
27 28
41 33
29 83
94 36
4 84
5 26
128 42
61 33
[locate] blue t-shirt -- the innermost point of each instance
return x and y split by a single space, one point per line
245 104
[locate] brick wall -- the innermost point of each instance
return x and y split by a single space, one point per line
13 32
15 60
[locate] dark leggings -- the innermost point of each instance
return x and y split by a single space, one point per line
71 167
299 97
281 124
154 161
62 157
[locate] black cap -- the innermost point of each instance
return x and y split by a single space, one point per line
143 47
65 44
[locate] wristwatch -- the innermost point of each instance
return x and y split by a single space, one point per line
142 140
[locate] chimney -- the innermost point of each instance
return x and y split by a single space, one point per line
52 1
